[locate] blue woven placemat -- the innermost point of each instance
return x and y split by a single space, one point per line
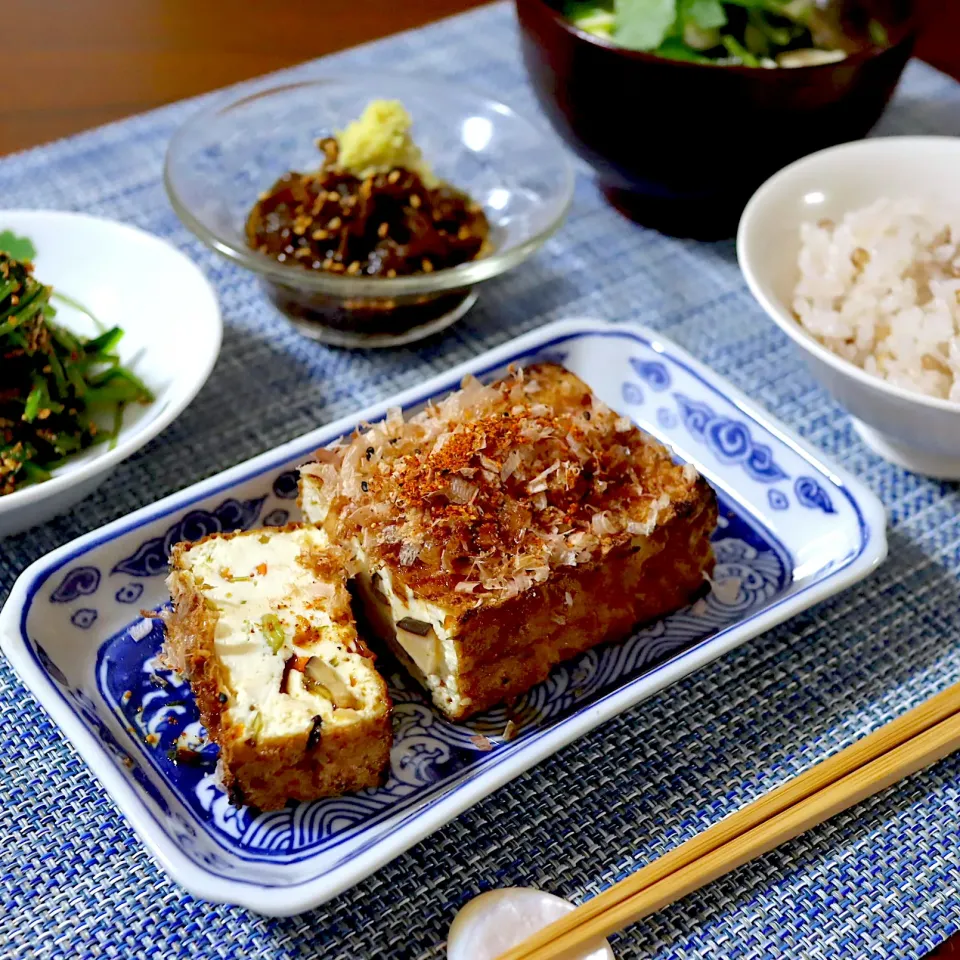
880 881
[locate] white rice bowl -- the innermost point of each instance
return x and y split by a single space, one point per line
882 289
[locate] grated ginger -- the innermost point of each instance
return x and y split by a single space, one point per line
380 141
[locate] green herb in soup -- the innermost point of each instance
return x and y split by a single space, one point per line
747 33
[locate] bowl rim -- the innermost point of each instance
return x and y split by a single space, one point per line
778 312
137 435
347 287
910 29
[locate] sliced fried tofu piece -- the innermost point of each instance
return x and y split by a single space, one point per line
262 628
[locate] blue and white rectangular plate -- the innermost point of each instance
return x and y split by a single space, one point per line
793 530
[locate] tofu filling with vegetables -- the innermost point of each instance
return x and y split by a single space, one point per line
262 627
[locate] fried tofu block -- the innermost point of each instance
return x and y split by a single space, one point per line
510 527
262 628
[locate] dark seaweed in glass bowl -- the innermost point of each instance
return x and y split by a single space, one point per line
223 159
388 224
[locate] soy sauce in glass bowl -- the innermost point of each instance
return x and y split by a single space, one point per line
223 159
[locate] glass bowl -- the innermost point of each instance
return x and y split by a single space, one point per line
224 157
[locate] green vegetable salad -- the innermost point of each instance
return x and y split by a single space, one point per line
59 393
749 33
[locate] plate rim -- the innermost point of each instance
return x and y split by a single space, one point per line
309 893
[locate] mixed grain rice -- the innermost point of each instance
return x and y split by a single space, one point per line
882 289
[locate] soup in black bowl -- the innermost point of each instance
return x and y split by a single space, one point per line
680 144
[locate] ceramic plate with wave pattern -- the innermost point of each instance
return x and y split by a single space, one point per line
792 531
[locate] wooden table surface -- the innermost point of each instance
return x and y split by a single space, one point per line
74 64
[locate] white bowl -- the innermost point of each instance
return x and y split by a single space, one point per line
915 431
172 330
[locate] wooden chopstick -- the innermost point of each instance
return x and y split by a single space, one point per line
920 737
919 752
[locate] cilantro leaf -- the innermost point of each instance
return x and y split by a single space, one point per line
591 17
673 48
739 52
878 33
705 14
796 10
20 248
644 24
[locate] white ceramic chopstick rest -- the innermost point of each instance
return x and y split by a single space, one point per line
497 920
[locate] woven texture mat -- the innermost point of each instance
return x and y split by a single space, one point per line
880 881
